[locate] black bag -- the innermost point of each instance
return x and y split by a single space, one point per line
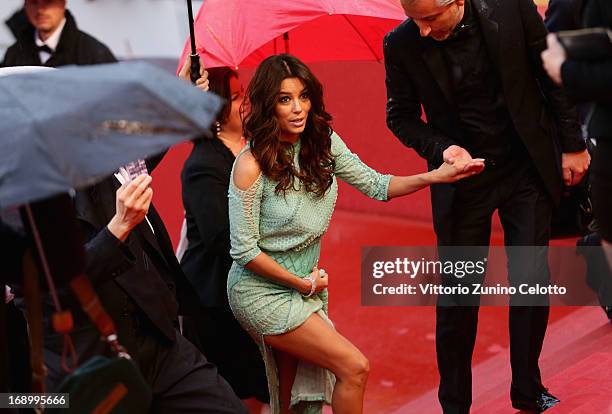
587 44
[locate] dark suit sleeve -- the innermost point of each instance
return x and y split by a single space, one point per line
107 256
13 248
9 57
591 81
205 197
563 15
104 55
404 112
588 81
94 51
564 114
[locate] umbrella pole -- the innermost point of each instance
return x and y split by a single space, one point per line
62 321
34 305
42 256
194 68
286 39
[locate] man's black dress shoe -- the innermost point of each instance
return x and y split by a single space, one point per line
608 311
545 401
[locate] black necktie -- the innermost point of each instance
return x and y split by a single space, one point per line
44 48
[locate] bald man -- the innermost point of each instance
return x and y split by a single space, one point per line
475 68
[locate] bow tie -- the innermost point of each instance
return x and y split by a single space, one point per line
44 48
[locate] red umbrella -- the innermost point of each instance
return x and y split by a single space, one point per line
244 32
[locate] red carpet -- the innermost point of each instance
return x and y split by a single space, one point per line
576 364
583 388
399 341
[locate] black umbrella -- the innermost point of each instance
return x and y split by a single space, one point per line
67 128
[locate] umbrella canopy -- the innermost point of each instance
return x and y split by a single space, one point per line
67 128
244 32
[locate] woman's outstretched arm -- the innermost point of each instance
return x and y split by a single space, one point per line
446 173
373 184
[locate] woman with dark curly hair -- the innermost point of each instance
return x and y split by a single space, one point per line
282 194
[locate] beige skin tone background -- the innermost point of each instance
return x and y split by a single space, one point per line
315 341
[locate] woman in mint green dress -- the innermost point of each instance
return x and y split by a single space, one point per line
281 197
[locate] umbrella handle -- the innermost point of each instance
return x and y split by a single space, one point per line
194 67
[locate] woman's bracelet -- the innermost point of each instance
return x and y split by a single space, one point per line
313 285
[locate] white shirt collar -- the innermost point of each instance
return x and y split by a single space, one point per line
54 39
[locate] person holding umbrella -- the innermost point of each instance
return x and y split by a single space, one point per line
282 193
141 283
130 260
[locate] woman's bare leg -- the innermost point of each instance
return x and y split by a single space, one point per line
317 342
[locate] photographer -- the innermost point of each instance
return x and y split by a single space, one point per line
591 81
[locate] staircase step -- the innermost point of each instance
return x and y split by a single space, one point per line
576 343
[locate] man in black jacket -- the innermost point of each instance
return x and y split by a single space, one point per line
132 266
563 15
591 82
53 39
474 66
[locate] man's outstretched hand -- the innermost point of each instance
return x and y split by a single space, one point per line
456 153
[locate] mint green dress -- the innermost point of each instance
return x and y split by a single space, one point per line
289 229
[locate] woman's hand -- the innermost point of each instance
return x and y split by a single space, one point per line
202 82
320 276
449 173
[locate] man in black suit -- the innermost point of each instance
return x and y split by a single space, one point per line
131 263
475 68
50 37
590 82
16 369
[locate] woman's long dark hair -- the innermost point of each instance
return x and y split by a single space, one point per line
219 83
261 128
